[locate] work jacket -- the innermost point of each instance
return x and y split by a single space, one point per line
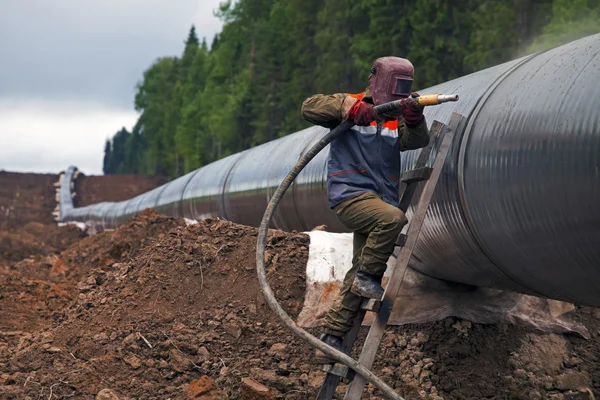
365 158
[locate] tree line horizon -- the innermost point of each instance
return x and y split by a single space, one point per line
247 87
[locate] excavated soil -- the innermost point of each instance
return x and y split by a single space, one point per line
95 189
30 240
26 198
159 304
160 310
34 282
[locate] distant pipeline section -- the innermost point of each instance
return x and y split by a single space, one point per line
518 203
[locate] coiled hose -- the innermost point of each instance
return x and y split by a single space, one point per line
260 257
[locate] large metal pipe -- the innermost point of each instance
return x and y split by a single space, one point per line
518 204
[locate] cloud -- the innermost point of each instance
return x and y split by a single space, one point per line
47 137
69 68
72 50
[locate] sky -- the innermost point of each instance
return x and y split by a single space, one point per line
68 70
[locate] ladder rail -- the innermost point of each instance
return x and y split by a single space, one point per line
407 191
371 345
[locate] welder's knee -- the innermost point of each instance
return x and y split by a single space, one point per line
397 219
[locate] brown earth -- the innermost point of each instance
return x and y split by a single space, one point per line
30 242
26 198
157 309
173 304
95 189
32 283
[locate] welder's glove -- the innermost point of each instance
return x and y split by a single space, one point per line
362 113
413 111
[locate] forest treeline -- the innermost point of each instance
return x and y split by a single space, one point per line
246 87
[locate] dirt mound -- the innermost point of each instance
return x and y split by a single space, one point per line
33 282
26 198
182 304
36 239
95 189
122 244
455 359
45 278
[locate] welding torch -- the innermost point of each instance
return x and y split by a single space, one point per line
423 100
434 99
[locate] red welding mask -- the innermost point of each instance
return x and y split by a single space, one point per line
391 79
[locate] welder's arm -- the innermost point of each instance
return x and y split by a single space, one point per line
413 136
327 110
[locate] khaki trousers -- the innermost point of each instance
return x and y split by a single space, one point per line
376 226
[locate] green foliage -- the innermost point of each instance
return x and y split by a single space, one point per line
571 19
114 152
387 32
246 89
492 37
107 155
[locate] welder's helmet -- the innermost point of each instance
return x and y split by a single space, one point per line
391 79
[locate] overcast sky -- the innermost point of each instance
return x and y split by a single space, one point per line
68 70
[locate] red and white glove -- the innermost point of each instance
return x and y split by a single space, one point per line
413 111
362 113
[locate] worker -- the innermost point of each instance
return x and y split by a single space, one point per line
363 170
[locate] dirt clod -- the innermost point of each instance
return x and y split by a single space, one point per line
252 390
107 394
204 388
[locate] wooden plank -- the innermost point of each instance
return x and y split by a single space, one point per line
340 370
401 241
371 345
416 175
372 305
331 381
407 191
328 387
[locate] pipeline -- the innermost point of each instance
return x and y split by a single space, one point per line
516 207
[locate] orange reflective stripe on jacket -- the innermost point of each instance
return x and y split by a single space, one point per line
392 125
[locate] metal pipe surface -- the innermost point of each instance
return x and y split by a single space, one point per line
518 203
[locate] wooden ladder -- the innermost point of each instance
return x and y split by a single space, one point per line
383 308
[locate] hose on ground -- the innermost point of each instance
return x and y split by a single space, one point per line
260 258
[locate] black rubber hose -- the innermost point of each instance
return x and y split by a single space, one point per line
260 257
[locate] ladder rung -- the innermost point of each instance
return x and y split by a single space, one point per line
416 175
401 241
371 305
340 370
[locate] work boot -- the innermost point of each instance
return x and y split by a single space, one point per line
337 342
367 285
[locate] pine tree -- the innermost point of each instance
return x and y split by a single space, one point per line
154 101
376 42
107 156
338 23
118 151
440 34
189 53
